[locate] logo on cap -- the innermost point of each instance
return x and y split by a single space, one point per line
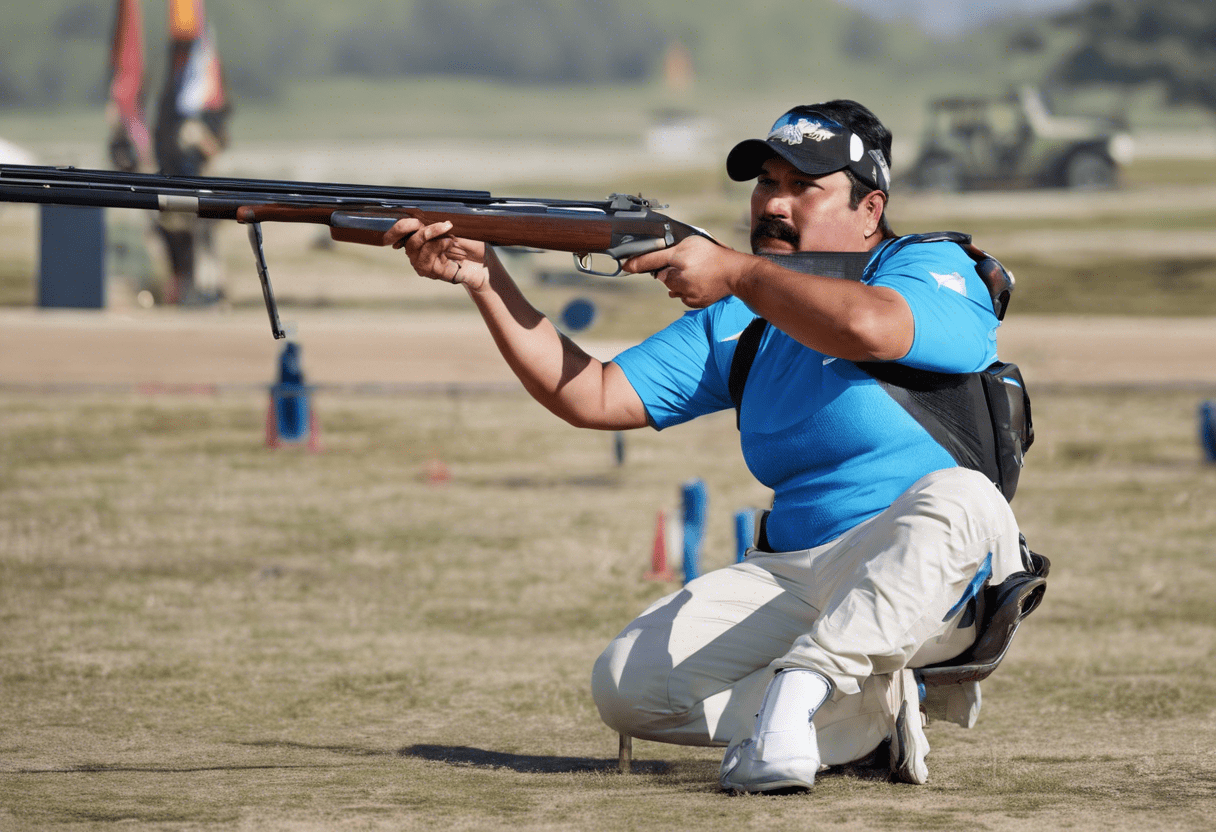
804 128
881 161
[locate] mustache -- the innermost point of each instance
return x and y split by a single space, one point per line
771 228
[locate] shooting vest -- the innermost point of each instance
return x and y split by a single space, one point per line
982 419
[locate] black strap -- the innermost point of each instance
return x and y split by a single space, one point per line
849 265
741 364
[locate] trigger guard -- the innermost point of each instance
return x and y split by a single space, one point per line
582 263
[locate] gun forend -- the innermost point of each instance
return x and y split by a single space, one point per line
513 225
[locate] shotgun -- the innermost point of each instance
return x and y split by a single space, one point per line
619 227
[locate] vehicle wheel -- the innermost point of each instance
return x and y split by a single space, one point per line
940 174
1090 172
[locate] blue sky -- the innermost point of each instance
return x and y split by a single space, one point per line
945 18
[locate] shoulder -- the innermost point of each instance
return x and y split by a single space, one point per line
912 265
911 252
954 322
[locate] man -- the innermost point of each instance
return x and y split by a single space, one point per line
186 146
877 543
191 131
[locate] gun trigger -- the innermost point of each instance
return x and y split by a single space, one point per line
259 259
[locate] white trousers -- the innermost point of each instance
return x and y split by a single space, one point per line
886 595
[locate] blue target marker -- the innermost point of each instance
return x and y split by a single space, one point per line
578 315
1207 429
695 498
745 533
290 396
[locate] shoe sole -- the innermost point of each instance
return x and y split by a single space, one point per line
765 788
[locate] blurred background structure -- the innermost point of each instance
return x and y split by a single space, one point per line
383 75
1017 103
191 130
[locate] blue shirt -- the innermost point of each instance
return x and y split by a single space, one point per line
833 446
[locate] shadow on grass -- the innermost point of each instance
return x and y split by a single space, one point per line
458 755
346 750
538 483
105 768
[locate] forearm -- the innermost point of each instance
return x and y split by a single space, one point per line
837 317
552 368
559 375
841 318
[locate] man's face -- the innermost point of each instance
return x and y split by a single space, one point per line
793 211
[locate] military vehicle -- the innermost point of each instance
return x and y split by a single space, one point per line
1014 141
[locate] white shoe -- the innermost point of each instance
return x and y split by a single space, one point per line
772 762
909 745
782 751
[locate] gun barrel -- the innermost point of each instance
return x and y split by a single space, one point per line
109 181
52 194
61 183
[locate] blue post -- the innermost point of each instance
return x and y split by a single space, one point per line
745 533
72 257
695 498
1207 429
290 396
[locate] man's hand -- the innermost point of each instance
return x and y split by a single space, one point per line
436 254
697 271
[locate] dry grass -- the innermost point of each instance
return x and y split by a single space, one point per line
199 632
196 632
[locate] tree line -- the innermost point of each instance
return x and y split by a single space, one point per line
57 50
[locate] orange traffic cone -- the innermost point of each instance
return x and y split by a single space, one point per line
658 555
437 472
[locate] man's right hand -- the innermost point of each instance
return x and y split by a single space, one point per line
435 253
697 271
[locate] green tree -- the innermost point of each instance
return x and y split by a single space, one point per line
1171 43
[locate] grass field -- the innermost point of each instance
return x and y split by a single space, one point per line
198 632
202 632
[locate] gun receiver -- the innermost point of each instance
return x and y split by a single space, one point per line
618 227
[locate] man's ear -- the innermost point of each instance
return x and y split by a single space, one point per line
874 204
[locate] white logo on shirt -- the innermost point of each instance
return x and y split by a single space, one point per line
951 281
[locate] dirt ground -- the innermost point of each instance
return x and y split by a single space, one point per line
162 348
